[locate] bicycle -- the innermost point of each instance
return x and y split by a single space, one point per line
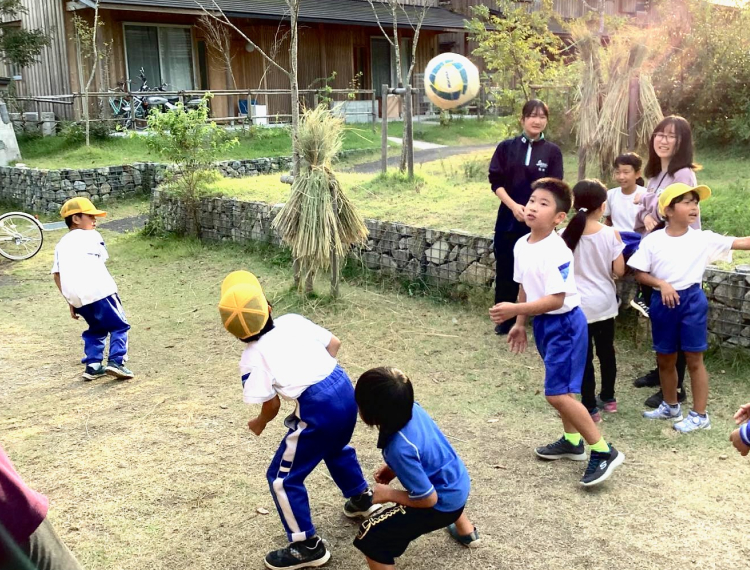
21 236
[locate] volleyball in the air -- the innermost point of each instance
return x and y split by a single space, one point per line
451 80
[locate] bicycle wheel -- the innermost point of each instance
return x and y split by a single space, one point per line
21 236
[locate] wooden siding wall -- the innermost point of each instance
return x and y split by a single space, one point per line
323 49
565 8
51 75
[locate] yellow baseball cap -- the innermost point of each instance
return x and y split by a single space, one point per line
243 306
80 206
678 189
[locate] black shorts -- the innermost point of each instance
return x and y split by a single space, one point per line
386 534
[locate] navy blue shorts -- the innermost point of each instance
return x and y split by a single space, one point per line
562 340
683 328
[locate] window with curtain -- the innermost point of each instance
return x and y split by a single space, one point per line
165 53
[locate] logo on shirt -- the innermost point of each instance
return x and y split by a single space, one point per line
244 378
542 166
564 270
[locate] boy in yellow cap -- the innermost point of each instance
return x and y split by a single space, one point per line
672 261
293 358
91 293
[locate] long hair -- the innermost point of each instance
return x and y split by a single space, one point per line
534 105
589 195
683 155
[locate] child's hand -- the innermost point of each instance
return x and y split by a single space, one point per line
669 295
381 493
517 339
502 312
650 223
73 312
256 425
738 444
743 414
384 475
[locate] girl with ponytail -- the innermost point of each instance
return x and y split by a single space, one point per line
597 253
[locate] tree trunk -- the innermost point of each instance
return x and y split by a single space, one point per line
581 163
294 9
409 133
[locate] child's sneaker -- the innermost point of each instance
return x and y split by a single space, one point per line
309 553
693 422
609 407
596 417
665 412
468 540
562 449
118 371
601 465
639 304
93 371
360 506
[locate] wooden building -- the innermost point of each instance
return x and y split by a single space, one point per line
337 37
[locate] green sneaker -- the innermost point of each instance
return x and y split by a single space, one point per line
118 371
93 371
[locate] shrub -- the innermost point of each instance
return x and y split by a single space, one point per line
74 132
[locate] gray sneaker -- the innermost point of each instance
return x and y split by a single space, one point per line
693 422
93 371
664 412
468 540
118 371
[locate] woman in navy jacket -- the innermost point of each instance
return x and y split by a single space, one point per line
516 164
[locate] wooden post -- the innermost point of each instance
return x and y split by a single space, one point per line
633 112
374 109
251 109
408 133
132 109
581 163
384 129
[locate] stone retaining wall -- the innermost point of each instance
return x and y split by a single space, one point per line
442 258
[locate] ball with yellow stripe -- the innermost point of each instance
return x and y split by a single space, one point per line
243 306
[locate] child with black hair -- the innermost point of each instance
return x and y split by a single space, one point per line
621 207
295 359
545 269
672 261
417 453
597 252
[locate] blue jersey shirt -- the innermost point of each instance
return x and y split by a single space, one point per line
424 462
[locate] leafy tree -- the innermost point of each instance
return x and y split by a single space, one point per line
704 73
517 47
188 139
19 46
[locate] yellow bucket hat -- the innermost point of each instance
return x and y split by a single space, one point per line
243 306
80 206
678 189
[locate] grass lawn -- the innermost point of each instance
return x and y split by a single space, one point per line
161 473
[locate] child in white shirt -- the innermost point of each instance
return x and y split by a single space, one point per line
672 261
621 208
83 279
597 251
295 359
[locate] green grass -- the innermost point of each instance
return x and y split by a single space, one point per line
56 153
459 131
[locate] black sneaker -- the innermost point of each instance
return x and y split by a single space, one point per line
639 304
655 400
93 371
562 449
118 371
601 465
648 380
360 506
309 553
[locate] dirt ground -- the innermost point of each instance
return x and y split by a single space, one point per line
161 472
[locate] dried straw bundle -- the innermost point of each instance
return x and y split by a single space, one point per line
318 221
651 113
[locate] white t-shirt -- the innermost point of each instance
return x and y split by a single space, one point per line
79 259
546 268
593 271
681 261
621 209
286 360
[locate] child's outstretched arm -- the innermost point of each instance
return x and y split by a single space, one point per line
56 277
741 243
504 311
267 413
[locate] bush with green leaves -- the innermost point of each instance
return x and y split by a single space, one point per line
193 143
74 132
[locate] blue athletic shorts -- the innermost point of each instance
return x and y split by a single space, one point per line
562 340
683 328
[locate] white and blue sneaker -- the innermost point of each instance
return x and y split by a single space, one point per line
664 412
693 422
